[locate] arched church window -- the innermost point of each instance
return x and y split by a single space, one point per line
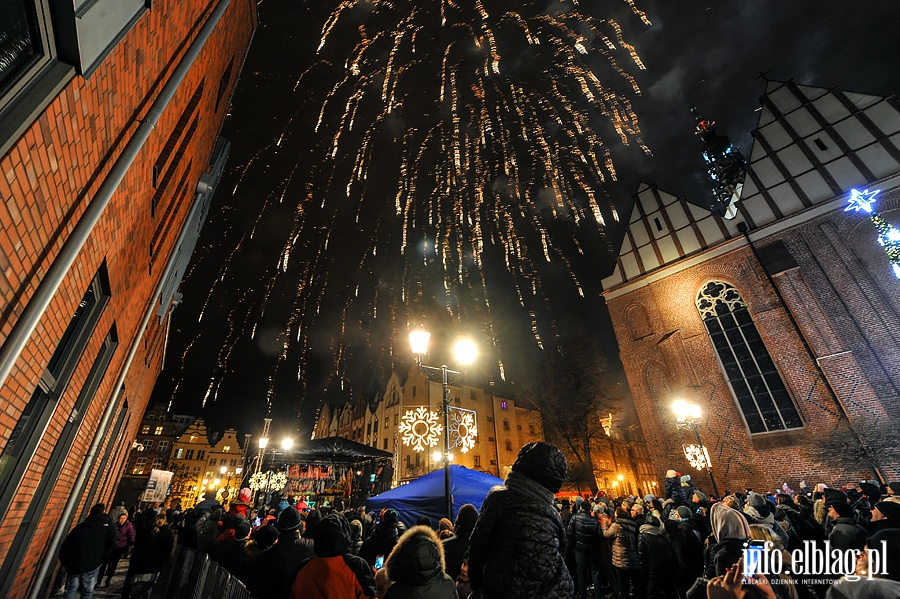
751 373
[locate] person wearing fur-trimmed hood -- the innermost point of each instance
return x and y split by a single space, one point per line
416 567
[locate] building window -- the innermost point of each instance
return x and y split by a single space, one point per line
491 440
396 419
508 445
387 422
226 449
148 445
157 463
472 394
505 425
139 465
212 462
179 453
751 373
478 461
375 426
163 446
201 454
385 443
414 391
151 417
493 462
502 405
189 455
490 418
145 430
233 462
158 431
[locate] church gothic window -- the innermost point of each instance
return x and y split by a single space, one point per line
749 368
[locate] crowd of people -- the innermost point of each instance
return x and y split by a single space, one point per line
525 543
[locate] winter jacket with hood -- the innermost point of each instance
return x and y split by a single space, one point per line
416 567
518 544
124 535
88 544
380 542
674 491
456 546
274 569
623 532
760 511
334 573
730 531
658 562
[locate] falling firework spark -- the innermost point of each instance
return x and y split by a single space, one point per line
448 140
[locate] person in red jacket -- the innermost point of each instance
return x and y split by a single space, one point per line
334 573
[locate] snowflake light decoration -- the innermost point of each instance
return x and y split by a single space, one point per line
420 428
697 456
268 481
463 429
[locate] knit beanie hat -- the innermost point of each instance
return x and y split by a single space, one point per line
684 512
895 487
466 517
289 519
890 509
843 509
265 536
542 463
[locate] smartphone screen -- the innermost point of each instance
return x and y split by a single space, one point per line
753 556
379 562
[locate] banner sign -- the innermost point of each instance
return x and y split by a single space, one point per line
158 486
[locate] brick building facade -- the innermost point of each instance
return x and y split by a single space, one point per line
109 154
781 322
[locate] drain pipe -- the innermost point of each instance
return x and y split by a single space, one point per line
73 246
49 285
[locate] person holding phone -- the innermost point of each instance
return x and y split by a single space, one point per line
730 531
732 585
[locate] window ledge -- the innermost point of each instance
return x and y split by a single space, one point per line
778 439
17 116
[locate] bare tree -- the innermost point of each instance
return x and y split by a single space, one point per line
868 444
572 393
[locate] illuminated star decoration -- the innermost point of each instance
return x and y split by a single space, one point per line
268 481
463 429
699 458
861 200
420 428
888 234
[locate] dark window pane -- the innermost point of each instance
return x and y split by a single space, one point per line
19 39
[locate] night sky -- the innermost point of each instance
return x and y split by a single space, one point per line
491 211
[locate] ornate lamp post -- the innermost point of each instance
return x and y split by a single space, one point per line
465 352
688 416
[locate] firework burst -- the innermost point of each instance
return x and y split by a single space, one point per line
452 141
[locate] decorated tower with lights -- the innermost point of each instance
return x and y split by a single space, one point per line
724 166
888 235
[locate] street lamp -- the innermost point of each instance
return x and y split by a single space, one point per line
464 351
688 416
287 443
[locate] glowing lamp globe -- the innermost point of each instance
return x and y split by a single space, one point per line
418 342
465 351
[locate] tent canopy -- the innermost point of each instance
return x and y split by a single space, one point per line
425 495
337 450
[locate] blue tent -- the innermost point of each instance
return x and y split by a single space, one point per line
425 495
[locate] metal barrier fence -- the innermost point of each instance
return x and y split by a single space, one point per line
194 575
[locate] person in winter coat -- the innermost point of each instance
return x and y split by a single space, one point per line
228 553
151 551
261 540
445 529
885 584
730 531
583 535
273 570
517 547
623 532
760 510
456 546
356 536
84 550
207 528
687 545
885 514
417 569
333 573
845 532
382 539
658 564
673 488
241 507
124 532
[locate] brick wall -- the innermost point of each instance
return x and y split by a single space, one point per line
49 177
843 301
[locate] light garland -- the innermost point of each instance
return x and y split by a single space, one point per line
888 235
420 428
463 429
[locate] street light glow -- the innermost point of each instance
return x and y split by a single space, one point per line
223 470
263 442
465 351
437 456
418 342
287 443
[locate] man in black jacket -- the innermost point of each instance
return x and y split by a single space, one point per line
583 535
456 546
274 569
85 548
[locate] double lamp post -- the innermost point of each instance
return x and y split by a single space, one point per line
465 352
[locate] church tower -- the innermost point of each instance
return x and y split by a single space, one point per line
724 167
